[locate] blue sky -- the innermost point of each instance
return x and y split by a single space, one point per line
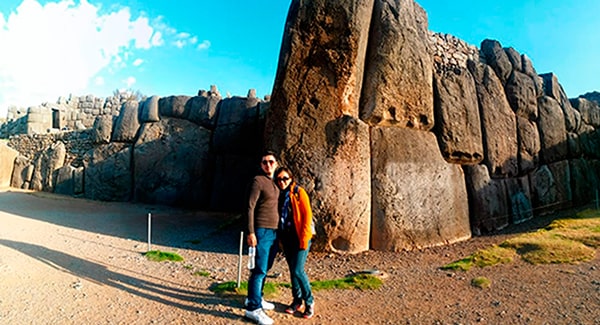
55 48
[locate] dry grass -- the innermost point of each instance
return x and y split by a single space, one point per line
568 240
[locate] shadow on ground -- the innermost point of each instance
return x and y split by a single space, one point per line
197 230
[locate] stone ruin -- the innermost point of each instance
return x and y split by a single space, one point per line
403 138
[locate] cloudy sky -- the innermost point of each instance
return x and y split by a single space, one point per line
56 48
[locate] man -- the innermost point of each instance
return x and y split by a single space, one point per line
263 219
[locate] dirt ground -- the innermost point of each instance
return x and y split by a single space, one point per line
73 261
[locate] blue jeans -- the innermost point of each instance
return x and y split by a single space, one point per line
296 259
266 250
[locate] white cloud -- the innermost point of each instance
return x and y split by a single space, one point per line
204 45
138 62
60 48
130 81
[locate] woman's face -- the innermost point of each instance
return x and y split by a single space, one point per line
283 180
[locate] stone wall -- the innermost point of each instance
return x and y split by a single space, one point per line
403 138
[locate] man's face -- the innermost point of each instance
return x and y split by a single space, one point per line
268 164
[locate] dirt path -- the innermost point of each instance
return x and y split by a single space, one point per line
71 261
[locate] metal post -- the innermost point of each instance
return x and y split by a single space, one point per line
239 275
149 231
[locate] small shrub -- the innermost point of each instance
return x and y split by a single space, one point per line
481 282
158 256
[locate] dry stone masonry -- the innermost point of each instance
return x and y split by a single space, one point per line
404 138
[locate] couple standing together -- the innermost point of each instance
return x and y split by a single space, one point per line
278 212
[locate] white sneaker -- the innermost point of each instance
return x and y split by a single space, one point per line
265 304
259 316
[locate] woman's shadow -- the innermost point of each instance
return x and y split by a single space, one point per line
100 274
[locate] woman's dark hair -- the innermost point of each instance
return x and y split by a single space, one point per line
284 169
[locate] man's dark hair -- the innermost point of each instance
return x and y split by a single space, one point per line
269 153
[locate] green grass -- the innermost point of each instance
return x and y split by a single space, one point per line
360 282
482 258
158 256
270 289
481 282
568 240
202 273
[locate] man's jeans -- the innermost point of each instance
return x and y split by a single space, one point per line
266 249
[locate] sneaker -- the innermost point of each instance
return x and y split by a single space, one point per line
265 304
293 307
259 316
309 311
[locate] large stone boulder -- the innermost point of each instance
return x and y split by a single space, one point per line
22 172
457 117
171 164
551 187
174 106
553 133
313 121
65 181
108 172
584 181
398 82
529 145
419 200
102 129
589 110
203 110
555 90
237 130
149 110
127 124
496 57
45 166
498 122
7 164
489 204
521 94
519 196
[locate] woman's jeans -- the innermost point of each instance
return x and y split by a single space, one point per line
266 249
296 259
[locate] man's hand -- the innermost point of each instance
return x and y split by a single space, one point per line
251 239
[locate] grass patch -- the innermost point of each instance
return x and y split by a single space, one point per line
481 282
547 247
568 240
158 256
229 287
201 273
483 258
361 282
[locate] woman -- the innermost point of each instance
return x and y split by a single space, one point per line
296 230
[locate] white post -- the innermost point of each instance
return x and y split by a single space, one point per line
149 230
239 277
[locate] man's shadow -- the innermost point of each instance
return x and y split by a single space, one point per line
100 274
